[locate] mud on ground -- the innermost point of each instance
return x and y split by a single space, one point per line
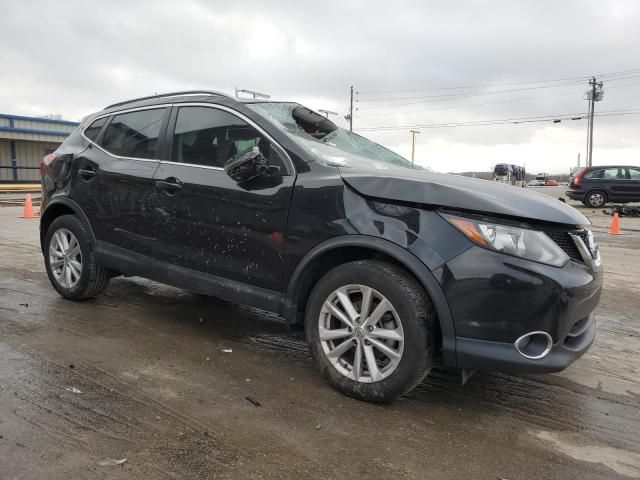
140 373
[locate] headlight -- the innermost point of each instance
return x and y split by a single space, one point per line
516 241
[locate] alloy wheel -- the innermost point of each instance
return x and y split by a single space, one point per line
596 199
65 258
361 333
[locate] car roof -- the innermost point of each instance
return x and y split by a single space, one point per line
600 167
158 96
200 96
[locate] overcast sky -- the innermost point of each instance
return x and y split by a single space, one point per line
74 57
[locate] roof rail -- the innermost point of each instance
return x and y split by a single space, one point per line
170 94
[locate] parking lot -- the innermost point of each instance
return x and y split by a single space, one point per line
161 377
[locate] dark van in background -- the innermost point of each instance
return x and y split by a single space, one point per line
596 186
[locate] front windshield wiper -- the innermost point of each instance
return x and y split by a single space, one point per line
329 136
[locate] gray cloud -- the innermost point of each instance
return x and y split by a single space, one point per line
75 57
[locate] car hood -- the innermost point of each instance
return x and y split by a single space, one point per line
455 191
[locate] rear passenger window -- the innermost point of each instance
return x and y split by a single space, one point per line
614 174
210 137
93 130
134 134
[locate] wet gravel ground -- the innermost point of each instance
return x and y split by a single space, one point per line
140 373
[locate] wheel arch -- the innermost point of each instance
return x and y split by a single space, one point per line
58 207
339 250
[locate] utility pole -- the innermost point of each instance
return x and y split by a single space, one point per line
413 144
327 112
594 95
351 111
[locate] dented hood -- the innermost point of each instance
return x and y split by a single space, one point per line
466 193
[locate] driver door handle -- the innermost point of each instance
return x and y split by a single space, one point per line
170 185
87 173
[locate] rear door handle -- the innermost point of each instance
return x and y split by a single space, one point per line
87 173
170 185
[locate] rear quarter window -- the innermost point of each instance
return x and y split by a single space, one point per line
93 130
134 134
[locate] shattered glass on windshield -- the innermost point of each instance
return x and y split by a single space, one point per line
328 143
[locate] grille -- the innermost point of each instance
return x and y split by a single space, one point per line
566 243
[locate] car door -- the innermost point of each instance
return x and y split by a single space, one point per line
114 181
615 182
208 223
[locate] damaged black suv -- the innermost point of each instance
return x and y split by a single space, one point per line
389 268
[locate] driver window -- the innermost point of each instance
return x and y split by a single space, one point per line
209 137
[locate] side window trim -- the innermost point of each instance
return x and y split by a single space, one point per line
172 125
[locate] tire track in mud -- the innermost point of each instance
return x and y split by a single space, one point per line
103 409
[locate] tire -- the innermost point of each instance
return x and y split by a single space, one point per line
92 279
410 316
595 199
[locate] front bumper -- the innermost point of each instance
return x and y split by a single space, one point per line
495 299
486 355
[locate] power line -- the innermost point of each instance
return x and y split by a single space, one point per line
456 96
466 105
468 87
450 97
471 94
503 121
463 87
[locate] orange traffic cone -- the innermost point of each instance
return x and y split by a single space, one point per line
28 208
615 225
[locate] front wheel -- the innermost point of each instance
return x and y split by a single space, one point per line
370 328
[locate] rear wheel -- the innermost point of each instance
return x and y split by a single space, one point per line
595 199
70 260
370 329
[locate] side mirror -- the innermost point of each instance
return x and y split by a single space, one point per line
247 165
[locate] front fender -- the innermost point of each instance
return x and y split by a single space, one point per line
402 256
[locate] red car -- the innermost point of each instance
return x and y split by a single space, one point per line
550 183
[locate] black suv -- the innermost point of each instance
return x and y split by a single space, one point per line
389 268
595 186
